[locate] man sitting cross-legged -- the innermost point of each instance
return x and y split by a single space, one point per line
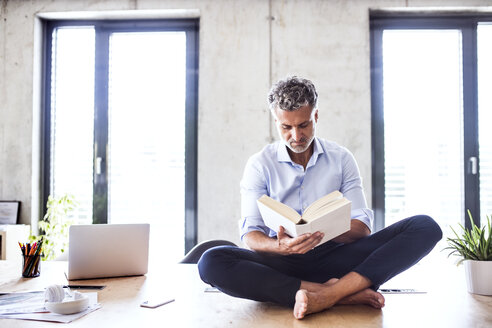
298 272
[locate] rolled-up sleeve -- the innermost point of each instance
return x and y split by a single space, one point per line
353 191
253 186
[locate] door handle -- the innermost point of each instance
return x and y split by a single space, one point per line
472 165
98 165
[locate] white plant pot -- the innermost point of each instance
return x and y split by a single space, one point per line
479 277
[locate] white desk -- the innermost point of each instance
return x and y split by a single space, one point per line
446 304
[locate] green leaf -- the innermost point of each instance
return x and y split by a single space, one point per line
55 223
474 243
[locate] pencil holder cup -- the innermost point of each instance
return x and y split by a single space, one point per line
31 266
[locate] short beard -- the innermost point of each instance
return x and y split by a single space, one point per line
299 149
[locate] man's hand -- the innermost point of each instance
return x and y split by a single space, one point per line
298 245
283 244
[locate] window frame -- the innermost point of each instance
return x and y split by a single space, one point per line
103 28
467 23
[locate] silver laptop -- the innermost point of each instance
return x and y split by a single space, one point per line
108 250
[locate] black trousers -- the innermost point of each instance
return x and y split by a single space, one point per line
276 278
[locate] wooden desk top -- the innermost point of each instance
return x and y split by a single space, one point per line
446 303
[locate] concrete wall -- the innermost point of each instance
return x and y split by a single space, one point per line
241 52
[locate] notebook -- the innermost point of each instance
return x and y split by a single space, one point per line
108 250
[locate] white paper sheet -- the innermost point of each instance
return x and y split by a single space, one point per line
30 306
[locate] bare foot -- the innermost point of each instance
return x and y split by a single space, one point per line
310 302
351 289
301 306
366 296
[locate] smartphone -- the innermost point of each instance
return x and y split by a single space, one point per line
156 302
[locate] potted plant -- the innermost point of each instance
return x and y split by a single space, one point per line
55 224
474 246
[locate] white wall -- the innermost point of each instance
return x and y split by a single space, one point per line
326 41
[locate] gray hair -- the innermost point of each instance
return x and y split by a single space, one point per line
291 94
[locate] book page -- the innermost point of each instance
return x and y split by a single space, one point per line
334 223
274 219
321 211
281 208
322 202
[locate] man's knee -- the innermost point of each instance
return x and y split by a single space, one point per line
211 263
429 227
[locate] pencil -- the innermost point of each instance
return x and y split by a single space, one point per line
34 266
31 253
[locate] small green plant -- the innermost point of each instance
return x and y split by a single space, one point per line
55 224
474 244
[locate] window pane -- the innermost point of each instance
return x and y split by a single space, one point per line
423 124
485 117
72 117
147 135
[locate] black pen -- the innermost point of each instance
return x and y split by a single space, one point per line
84 286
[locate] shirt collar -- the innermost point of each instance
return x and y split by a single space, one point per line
283 154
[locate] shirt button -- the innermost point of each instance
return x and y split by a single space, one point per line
302 187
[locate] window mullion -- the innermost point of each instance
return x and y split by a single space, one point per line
100 196
46 176
191 140
377 128
470 122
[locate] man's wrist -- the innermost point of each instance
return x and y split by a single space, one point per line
260 242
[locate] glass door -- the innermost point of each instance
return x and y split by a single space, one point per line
71 119
431 111
121 110
484 45
146 139
423 124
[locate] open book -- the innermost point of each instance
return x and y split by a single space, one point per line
330 214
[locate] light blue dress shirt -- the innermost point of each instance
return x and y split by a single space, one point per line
272 172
